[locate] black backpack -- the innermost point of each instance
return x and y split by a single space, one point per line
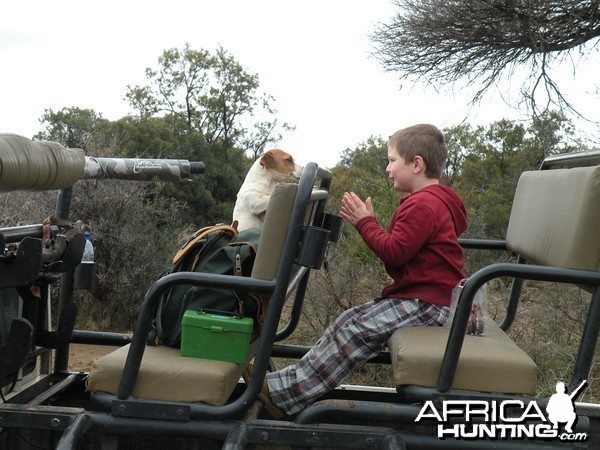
218 249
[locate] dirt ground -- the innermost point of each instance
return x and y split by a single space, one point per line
81 356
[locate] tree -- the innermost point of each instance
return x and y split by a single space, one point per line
216 115
213 94
135 235
75 127
197 106
493 158
147 137
482 41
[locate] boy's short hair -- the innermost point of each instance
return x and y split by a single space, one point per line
423 140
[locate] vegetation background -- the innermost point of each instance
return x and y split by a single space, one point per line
204 106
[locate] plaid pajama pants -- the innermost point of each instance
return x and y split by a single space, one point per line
357 335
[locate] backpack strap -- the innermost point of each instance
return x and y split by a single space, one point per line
201 234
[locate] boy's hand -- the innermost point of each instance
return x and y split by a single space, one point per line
354 209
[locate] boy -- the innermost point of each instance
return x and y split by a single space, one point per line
421 254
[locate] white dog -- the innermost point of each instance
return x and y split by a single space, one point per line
273 167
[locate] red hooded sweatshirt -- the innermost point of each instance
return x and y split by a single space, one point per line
420 249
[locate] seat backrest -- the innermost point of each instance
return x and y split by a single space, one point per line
555 218
275 226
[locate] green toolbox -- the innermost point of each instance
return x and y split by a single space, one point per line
215 335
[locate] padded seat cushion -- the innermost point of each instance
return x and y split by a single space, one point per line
554 218
165 375
490 363
274 231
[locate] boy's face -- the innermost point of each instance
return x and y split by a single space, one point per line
399 171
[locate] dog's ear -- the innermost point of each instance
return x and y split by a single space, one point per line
268 160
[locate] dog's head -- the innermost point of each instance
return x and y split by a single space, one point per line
281 165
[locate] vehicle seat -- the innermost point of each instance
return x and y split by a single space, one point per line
554 222
164 374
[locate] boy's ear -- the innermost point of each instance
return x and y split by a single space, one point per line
418 164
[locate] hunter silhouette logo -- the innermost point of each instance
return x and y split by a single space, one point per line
561 407
506 419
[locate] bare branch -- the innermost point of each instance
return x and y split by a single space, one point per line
481 42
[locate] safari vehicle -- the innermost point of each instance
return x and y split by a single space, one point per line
449 389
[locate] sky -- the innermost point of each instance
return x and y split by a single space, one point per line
313 56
